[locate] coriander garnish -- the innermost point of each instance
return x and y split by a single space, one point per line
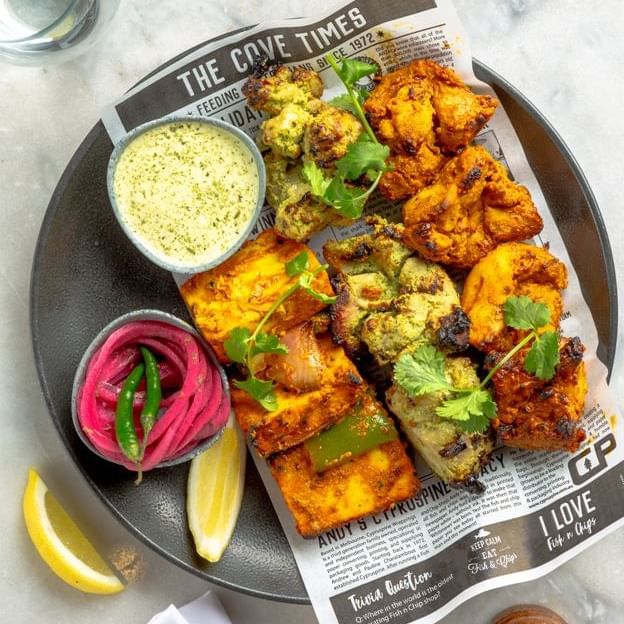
423 372
242 345
366 157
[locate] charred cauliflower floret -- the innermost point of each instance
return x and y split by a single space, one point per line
270 88
328 135
452 454
390 300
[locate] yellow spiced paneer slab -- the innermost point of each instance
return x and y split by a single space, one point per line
239 292
301 414
365 485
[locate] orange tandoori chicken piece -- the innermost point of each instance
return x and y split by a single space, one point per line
541 415
425 113
470 208
511 270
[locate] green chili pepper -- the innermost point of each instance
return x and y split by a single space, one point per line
358 433
153 396
124 419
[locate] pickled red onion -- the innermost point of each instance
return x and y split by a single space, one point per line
194 407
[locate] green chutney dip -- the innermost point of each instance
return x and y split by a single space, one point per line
187 190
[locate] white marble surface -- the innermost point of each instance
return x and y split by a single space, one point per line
566 57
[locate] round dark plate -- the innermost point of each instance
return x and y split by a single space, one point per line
86 273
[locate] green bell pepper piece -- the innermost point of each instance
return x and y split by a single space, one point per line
359 432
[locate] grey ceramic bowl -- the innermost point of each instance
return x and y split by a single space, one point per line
143 315
239 134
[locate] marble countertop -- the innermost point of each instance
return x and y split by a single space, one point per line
564 55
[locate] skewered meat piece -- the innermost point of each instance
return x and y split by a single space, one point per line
470 208
271 88
298 215
390 300
511 270
300 128
452 454
541 415
425 113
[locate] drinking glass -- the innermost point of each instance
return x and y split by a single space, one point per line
38 32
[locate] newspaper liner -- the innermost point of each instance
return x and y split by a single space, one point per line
419 561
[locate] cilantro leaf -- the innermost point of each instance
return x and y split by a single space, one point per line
344 102
348 201
361 93
305 281
297 265
315 177
543 357
320 296
523 313
267 343
362 156
261 390
422 372
351 70
237 343
471 410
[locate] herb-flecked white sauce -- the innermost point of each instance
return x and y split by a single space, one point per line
187 190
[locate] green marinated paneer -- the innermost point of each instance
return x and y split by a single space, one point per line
390 300
453 455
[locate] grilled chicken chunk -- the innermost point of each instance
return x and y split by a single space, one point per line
425 113
390 300
511 270
239 292
271 88
452 454
300 128
298 215
541 415
470 208
368 484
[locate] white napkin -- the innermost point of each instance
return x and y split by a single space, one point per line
205 610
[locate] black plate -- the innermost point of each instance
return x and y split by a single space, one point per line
86 273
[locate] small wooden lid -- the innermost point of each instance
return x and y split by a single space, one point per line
528 614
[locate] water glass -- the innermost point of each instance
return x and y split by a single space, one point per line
38 32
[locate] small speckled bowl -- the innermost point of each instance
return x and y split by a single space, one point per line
144 315
239 134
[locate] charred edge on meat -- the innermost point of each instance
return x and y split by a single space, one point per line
452 449
471 177
454 330
472 484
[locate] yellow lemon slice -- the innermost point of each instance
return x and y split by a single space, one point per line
62 545
215 491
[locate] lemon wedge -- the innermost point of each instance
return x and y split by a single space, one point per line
215 491
62 545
